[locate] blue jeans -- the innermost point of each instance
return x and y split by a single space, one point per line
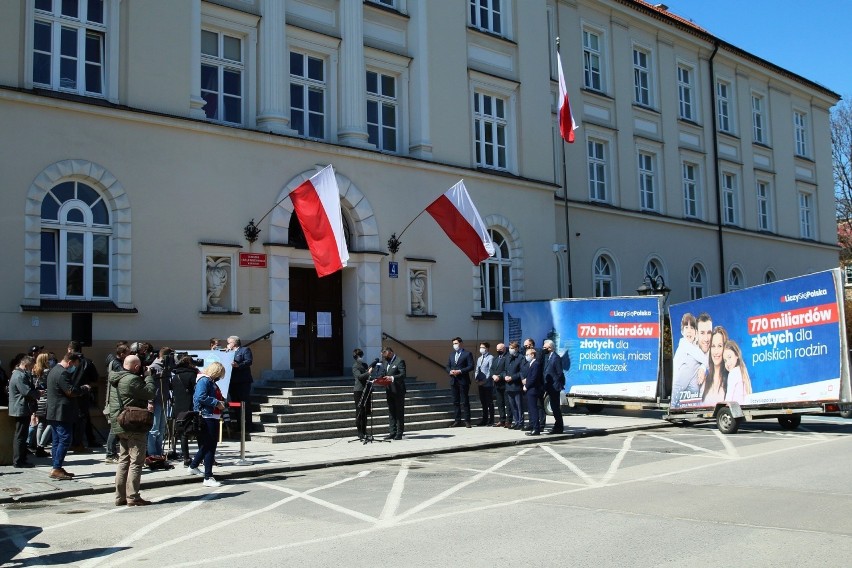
158 430
516 405
207 441
61 441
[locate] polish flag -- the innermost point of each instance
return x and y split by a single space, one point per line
457 215
317 205
567 124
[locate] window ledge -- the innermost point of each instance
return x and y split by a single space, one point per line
421 316
77 306
212 313
489 316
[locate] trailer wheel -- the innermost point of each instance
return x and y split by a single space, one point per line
726 422
790 422
846 413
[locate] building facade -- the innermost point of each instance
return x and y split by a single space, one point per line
140 138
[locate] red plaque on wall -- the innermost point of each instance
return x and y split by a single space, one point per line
252 260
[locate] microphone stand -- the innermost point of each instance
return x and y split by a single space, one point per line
366 397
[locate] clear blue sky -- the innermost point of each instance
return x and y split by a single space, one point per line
808 37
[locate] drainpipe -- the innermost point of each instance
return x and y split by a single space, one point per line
721 243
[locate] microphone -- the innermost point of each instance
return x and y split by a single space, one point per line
375 362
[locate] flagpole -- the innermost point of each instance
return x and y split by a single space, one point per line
565 195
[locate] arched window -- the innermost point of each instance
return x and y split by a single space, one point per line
495 275
735 279
604 275
769 277
76 236
654 269
697 282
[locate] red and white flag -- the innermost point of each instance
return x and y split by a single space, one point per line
457 215
567 124
317 205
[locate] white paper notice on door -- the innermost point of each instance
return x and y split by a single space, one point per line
323 324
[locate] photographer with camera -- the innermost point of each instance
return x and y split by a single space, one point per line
85 375
161 371
184 376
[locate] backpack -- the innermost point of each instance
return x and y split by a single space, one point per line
189 423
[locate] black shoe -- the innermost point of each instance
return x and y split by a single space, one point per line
41 453
554 431
467 425
398 437
481 423
24 465
390 437
455 424
533 433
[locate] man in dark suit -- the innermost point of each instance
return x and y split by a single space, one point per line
514 388
459 366
529 343
554 382
532 386
62 409
241 379
393 368
498 373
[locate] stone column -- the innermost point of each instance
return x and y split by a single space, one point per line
353 80
420 145
196 103
274 107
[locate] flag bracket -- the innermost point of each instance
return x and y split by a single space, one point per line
251 232
394 244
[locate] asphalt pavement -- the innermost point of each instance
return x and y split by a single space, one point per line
92 475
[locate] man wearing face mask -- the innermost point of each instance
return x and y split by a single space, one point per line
393 368
498 372
554 382
532 386
514 388
459 366
62 409
485 384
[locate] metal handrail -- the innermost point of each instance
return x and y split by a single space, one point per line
410 348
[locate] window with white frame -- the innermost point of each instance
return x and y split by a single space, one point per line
592 72
308 86
76 235
222 76
697 282
604 277
729 199
495 275
848 275
801 133
736 281
684 92
487 15
806 220
647 182
757 122
723 105
641 77
764 205
490 130
654 269
389 3
769 277
597 170
69 46
382 111
691 191
420 288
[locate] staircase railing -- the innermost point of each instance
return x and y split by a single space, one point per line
420 355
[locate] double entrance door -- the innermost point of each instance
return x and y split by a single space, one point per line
316 323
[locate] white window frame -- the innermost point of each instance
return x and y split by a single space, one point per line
497 263
397 67
507 91
691 184
598 166
601 280
807 226
736 279
758 118
474 14
800 132
763 192
326 48
419 267
686 91
109 29
697 281
231 254
730 198
724 106
654 268
643 77
847 271
649 196
591 56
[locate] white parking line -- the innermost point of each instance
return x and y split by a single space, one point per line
613 467
693 446
577 471
395 495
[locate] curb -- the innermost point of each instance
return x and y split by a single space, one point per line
273 469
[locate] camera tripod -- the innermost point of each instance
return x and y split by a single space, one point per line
366 399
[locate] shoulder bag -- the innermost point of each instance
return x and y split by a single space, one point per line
133 418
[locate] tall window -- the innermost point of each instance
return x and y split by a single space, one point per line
654 269
691 192
604 277
486 15
806 222
382 111
490 126
495 274
647 182
800 130
757 119
307 94
729 199
222 67
75 243
723 105
764 205
592 76
597 170
769 277
736 281
684 92
68 45
641 77
697 282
